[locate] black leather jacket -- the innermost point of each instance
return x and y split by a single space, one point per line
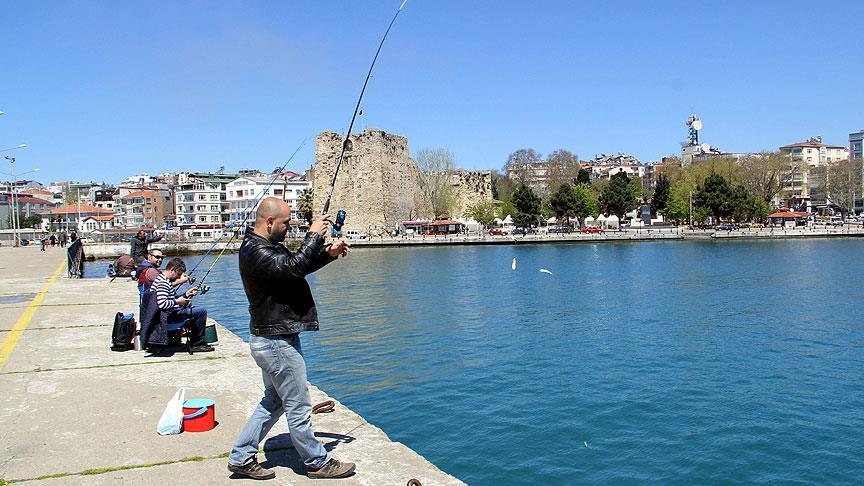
280 301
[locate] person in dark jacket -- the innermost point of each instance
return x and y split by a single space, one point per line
138 248
280 307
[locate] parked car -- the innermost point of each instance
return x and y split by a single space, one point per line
560 229
524 231
591 229
497 232
836 221
724 227
355 235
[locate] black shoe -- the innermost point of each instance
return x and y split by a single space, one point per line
252 470
333 469
202 348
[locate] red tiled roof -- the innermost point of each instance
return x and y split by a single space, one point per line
788 214
76 208
26 199
443 222
33 190
107 217
812 145
141 194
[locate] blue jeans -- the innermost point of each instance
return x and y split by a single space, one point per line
197 321
285 391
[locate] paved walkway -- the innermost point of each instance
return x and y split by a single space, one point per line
74 412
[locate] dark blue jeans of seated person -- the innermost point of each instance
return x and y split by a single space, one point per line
197 318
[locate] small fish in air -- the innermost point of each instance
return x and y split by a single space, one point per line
513 265
545 271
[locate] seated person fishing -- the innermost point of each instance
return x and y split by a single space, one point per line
148 270
179 308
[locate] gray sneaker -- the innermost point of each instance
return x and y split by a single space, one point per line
252 470
333 469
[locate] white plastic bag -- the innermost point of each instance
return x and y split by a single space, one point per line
172 417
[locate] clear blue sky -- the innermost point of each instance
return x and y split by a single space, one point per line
102 90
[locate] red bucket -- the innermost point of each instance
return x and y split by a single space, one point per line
199 415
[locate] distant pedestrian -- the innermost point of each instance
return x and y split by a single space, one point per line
42 243
63 239
140 242
53 240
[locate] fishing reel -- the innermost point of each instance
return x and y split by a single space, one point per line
340 220
191 279
203 289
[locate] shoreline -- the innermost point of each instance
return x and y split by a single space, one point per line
112 250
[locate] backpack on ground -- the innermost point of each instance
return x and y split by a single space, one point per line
123 334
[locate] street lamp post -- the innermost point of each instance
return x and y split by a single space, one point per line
14 218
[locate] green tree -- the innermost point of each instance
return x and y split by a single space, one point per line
506 209
584 177
678 205
618 197
483 213
563 203
586 203
561 167
701 215
716 195
32 221
661 194
304 204
527 205
502 186
435 166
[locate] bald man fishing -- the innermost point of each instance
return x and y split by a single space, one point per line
280 307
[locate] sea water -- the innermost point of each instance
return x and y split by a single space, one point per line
668 362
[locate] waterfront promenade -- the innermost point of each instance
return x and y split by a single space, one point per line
109 250
74 412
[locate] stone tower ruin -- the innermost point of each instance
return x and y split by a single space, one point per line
377 182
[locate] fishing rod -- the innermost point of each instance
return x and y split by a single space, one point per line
346 145
254 202
204 288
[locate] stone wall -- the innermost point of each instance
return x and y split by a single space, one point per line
377 182
470 189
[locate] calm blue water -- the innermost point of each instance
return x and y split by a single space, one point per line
677 362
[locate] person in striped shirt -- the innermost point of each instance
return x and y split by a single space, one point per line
179 308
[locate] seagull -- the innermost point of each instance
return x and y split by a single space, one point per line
513 265
585 443
545 271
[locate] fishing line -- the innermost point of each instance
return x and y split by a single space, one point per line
346 145
255 202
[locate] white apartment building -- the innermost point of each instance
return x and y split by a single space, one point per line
245 193
201 203
804 183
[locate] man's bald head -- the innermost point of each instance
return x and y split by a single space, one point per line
271 207
271 219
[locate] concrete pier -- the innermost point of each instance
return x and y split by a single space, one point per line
74 412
